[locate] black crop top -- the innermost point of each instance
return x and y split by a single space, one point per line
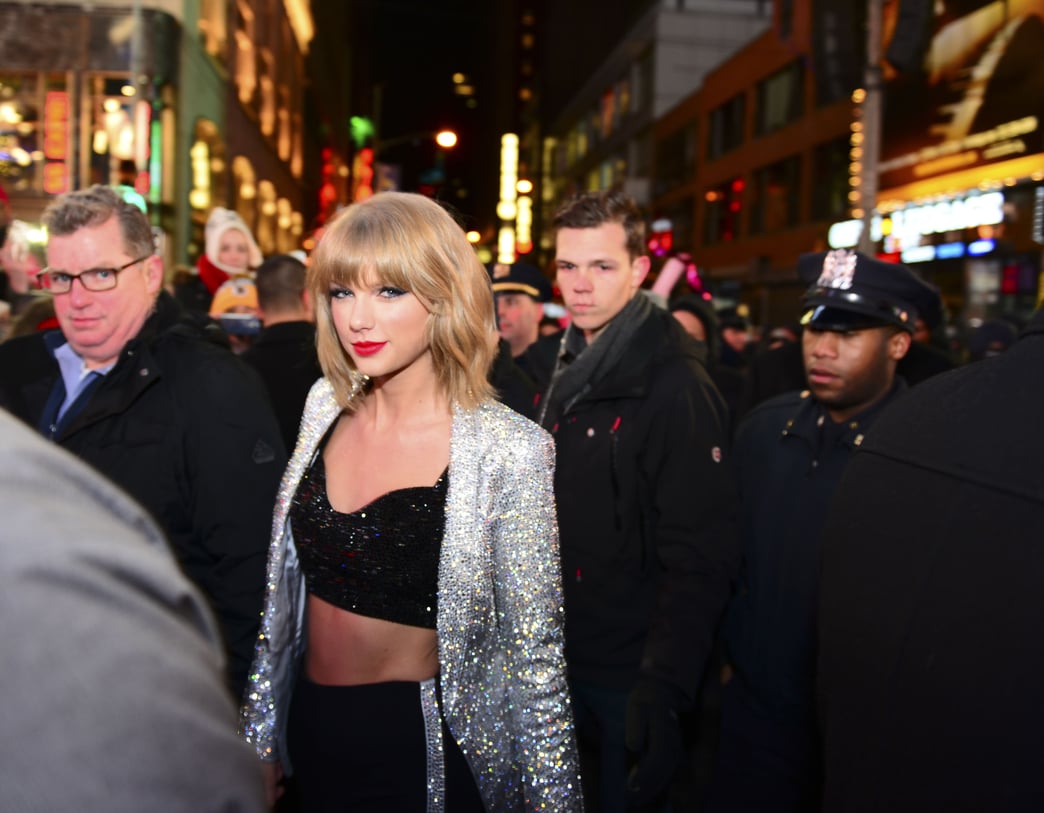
381 561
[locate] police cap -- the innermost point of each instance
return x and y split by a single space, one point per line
850 291
520 278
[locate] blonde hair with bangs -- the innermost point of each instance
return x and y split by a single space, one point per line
408 241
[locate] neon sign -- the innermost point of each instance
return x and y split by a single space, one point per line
56 140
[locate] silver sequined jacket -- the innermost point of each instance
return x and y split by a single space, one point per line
499 623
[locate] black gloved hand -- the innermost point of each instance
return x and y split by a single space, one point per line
653 735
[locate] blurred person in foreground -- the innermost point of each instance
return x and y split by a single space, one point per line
410 653
789 454
136 388
284 352
20 260
930 663
645 503
114 699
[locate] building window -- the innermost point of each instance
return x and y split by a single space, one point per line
213 27
725 127
780 98
786 19
830 191
722 207
244 191
777 197
120 128
675 160
246 56
24 131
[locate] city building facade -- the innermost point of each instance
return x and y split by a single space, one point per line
191 103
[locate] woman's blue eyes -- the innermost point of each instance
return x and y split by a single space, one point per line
386 291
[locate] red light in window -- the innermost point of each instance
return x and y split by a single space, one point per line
737 185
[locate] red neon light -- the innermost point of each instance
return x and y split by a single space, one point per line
54 179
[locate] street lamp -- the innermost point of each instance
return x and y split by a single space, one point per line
447 139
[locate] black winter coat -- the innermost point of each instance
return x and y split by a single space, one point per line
646 513
285 357
789 456
932 634
185 428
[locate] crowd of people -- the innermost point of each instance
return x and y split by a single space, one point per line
446 551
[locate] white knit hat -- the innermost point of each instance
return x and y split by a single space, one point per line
218 222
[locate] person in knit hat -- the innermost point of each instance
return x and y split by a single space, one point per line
235 307
229 249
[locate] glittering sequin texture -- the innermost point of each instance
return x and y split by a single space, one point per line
382 560
499 617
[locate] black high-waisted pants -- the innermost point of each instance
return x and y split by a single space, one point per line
380 747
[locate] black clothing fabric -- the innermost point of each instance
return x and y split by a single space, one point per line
380 561
931 662
363 749
646 513
789 456
184 427
514 387
284 356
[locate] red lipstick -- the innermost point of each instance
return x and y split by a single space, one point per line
367 348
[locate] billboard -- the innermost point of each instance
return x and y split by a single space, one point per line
975 98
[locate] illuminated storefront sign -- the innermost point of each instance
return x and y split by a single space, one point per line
56 140
905 227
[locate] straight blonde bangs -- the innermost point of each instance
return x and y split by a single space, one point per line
410 242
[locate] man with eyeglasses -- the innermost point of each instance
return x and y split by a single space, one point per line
144 393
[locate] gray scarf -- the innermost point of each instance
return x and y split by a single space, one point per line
579 366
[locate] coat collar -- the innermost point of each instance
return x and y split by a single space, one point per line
808 420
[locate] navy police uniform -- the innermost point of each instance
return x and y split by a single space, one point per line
789 455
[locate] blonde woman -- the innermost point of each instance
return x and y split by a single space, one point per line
410 654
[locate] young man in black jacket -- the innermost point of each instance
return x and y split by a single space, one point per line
645 505
136 388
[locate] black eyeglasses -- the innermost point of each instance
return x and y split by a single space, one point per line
93 279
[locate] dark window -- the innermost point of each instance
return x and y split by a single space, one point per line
722 206
777 196
780 99
830 171
675 160
725 128
786 19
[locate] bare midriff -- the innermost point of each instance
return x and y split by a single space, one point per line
347 649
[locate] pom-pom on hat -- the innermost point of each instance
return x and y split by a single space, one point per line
218 222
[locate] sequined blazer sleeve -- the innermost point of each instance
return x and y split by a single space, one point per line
501 617
280 640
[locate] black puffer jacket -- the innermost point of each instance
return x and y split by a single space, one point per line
185 428
646 513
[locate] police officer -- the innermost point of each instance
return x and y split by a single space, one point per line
859 315
521 291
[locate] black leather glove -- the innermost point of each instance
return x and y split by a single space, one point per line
653 735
